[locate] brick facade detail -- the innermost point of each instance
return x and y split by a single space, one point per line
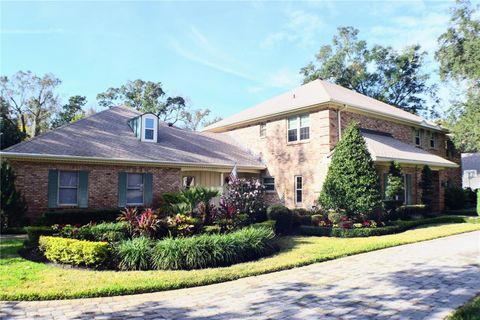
308 158
32 181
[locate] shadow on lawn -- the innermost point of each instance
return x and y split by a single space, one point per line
416 292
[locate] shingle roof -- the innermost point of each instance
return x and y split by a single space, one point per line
107 135
471 161
384 147
314 93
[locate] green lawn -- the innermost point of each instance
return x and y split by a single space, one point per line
25 280
470 311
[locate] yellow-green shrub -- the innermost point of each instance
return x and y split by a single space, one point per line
74 252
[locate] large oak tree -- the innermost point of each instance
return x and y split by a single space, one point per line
396 78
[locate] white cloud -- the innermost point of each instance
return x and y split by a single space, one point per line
281 79
302 28
201 50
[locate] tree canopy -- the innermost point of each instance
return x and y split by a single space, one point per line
144 96
70 112
31 98
396 78
459 58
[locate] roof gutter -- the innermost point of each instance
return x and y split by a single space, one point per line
417 162
220 128
119 161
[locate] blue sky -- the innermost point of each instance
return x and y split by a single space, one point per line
225 56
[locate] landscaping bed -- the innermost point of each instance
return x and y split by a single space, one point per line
21 279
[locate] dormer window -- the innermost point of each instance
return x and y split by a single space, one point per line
149 127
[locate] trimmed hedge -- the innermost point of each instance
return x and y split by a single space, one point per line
74 252
35 232
217 250
79 216
283 217
394 227
407 211
107 231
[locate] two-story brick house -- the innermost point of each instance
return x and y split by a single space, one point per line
121 157
296 132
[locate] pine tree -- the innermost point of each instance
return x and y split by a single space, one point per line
352 185
12 203
426 183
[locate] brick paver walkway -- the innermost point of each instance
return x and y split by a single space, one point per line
426 280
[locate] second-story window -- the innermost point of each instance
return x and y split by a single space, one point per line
263 129
298 128
433 140
417 139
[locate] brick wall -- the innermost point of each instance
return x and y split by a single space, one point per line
32 180
287 160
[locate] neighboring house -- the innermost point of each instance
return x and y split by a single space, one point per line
296 132
121 157
471 170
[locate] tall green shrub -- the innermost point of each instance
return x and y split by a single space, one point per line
352 184
426 183
12 203
478 201
395 185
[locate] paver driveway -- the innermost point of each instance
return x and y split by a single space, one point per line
425 280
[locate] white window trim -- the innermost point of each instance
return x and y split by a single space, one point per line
60 187
141 189
274 187
297 189
298 140
155 127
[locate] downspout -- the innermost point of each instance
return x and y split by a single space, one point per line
339 121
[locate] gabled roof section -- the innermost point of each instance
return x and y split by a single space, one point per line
315 93
107 135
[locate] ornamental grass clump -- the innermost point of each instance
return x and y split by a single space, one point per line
134 254
217 250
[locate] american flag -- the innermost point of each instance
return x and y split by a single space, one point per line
233 175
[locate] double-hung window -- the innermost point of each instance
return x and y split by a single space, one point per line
417 138
149 129
298 128
135 189
433 142
68 188
298 189
263 130
269 184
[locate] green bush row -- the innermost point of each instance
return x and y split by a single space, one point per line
394 227
78 216
74 252
202 251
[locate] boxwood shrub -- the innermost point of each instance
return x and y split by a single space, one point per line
283 217
215 250
34 233
74 252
